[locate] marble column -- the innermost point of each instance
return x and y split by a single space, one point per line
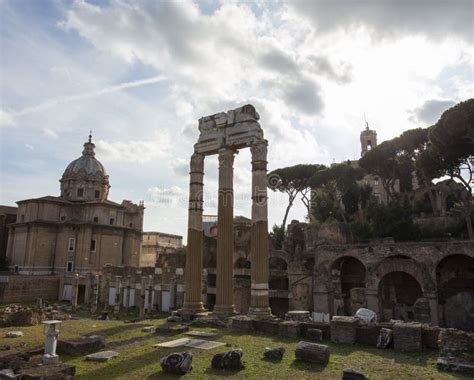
127 293
118 292
259 247
192 297
95 294
225 236
141 305
75 291
108 280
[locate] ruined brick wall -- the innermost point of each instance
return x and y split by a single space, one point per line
417 271
18 288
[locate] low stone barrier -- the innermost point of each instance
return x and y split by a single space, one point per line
456 351
343 329
407 337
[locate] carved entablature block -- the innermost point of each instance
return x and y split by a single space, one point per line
234 129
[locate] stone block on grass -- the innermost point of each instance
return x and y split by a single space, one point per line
344 329
407 337
179 363
228 360
289 329
315 335
102 356
312 352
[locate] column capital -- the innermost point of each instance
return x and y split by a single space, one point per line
197 162
259 150
226 158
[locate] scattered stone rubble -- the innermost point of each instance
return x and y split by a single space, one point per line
178 363
228 360
274 353
350 374
385 338
312 352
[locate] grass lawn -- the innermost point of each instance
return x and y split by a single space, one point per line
139 360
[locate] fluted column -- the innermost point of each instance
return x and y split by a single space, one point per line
259 303
193 276
225 236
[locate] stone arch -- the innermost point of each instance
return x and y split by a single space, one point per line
278 285
402 263
277 263
455 281
399 292
348 278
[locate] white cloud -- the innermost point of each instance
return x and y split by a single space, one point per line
7 119
135 151
311 77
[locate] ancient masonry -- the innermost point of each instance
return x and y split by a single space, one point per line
224 134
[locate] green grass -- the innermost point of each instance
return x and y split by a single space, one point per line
139 360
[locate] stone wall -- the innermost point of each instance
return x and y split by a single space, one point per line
18 288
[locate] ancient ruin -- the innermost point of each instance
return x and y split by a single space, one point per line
224 134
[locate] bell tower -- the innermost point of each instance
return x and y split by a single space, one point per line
368 139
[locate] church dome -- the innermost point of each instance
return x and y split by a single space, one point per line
85 178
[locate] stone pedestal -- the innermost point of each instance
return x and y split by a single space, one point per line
225 237
407 337
192 298
344 329
259 302
52 333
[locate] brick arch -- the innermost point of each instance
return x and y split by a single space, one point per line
406 265
279 254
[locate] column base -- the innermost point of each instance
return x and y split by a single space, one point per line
260 312
224 311
191 309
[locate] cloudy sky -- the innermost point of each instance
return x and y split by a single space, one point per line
139 74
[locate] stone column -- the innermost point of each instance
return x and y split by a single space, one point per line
259 248
141 301
95 295
192 298
75 291
127 294
433 301
118 292
225 236
150 294
108 279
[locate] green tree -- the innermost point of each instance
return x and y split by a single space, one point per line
451 151
340 182
292 180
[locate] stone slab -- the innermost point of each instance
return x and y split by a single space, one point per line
150 329
14 334
203 334
203 344
102 356
173 343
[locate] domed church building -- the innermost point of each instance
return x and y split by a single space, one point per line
80 231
